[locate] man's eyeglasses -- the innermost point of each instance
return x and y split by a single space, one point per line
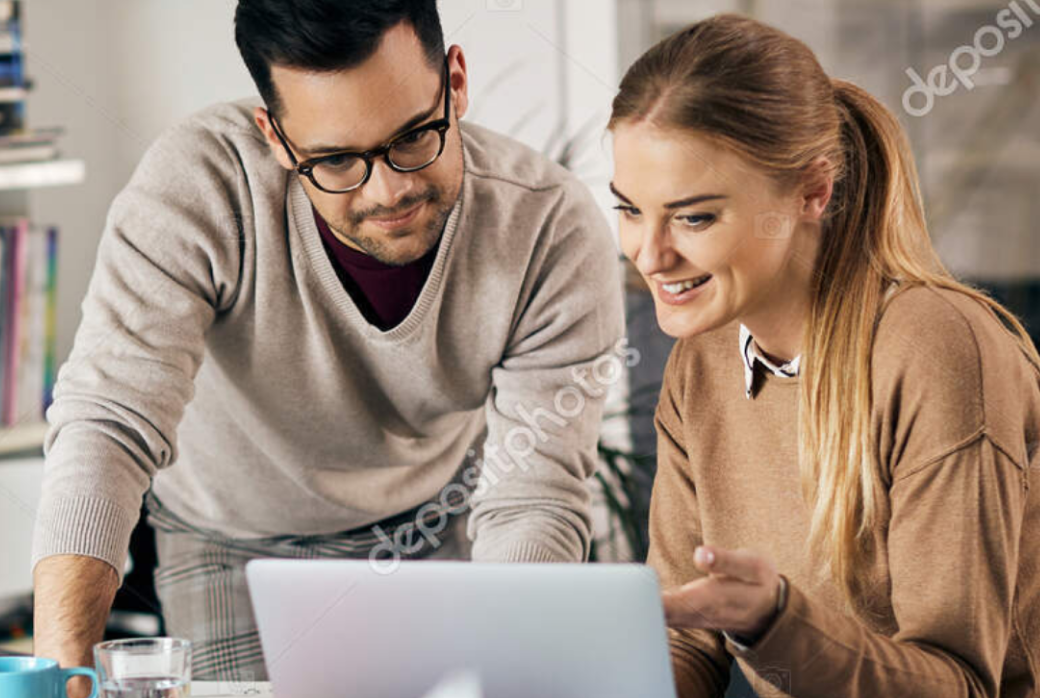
344 171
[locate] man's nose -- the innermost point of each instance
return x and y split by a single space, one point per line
386 187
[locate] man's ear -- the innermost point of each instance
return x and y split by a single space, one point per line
458 79
263 122
817 188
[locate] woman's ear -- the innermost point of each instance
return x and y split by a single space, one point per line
817 188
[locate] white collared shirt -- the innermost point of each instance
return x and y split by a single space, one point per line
752 355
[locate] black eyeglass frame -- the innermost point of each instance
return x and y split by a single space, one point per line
306 167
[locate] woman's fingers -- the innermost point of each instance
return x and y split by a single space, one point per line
683 607
738 594
713 602
740 564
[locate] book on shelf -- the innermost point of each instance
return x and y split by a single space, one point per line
12 117
10 43
13 84
10 27
27 153
30 145
28 299
12 64
10 14
13 93
34 136
6 285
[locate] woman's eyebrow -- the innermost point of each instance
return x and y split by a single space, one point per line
618 194
688 201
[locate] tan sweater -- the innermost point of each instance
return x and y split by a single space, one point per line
954 605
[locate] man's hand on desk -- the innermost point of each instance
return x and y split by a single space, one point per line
72 597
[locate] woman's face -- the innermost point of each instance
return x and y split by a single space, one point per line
713 236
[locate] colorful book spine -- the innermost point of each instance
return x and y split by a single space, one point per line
16 272
34 322
12 70
28 321
50 360
5 285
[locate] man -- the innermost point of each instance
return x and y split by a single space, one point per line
314 326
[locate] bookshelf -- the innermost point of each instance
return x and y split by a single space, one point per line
29 159
29 175
22 437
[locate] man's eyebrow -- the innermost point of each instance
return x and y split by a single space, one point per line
688 201
410 124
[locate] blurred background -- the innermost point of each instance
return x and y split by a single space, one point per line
87 85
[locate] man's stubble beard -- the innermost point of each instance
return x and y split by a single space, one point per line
381 247
377 247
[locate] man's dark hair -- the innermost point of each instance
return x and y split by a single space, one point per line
325 35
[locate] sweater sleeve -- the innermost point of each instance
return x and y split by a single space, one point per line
700 660
168 261
953 549
546 402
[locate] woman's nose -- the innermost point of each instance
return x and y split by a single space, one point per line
655 254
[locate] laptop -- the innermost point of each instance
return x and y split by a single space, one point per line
333 628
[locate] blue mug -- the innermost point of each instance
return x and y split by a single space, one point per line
36 677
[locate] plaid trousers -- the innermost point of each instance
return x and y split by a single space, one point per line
201 580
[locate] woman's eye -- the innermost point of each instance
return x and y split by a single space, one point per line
698 221
628 211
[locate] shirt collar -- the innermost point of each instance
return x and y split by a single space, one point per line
750 355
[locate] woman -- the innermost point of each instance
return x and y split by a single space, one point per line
848 488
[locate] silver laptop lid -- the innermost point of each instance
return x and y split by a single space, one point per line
342 628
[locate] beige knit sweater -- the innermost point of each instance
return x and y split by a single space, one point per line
220 356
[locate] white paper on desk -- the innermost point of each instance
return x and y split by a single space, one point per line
462 684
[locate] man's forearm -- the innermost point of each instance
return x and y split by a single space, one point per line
72 597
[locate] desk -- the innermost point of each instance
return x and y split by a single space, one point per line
225 689
458 685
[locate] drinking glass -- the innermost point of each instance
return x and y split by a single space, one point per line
154 667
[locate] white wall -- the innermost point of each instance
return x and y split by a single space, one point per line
544 72
115 73
19 496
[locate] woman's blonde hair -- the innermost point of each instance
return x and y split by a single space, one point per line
762 93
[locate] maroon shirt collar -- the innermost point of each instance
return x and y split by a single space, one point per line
385 294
